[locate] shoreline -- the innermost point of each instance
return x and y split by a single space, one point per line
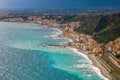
91 57
94 62
96 68
96 65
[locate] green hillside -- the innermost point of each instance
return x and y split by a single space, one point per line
105 27
108 28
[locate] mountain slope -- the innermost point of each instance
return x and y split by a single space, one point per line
106 27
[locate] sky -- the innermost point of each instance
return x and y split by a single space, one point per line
41 4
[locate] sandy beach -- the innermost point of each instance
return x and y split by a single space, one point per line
97 64
100 69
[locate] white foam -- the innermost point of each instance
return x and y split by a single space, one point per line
45 36
69 40
89 75
56 38
80 65
81 61
96 69
58 32
76 51
51 36
54 34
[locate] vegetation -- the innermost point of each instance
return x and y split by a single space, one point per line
108 28
104 27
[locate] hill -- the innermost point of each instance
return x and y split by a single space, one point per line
103 28
108 28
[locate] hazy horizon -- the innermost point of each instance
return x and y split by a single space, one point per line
42 4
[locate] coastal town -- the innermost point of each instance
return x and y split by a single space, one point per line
59 39
81 41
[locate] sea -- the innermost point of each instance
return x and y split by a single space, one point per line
26 55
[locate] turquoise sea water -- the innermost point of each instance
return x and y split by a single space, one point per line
23 56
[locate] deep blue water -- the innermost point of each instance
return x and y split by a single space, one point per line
23 56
